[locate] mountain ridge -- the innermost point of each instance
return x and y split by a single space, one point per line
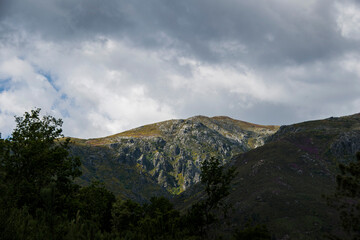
171 152
151 130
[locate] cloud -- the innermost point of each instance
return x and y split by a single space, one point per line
89 85
348 20
108 67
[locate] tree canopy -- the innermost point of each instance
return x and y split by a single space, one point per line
35 158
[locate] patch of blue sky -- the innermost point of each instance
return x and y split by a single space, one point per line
5 84
63 96
65 113
58 105
5 135
49 78
21 57
58 108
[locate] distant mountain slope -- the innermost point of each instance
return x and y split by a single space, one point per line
167 154
281 182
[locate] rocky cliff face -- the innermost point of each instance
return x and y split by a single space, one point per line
171 152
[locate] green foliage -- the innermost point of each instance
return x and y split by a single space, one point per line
19 224
36 179
166 217
95 203
156 220
347 199
126 215
34 160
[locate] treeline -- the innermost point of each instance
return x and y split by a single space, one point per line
40 200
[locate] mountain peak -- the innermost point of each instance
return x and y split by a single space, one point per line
162 129
172 151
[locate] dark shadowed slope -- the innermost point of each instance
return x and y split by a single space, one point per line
281 183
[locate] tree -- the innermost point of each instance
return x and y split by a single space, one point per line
217 183
36 163
155 220
161 219
126 215
347 199
216 180
95 203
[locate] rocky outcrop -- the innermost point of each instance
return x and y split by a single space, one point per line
173 151
346 145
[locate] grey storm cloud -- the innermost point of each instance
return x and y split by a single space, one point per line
266 61
272 31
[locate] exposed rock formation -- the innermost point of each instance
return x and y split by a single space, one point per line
172 151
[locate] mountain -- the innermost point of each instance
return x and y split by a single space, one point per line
282 182
283 172
164 158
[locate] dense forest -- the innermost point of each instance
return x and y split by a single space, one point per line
40 199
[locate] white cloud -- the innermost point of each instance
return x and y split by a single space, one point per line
97 90
27 87
348 19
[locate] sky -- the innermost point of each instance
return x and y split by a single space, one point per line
109 66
